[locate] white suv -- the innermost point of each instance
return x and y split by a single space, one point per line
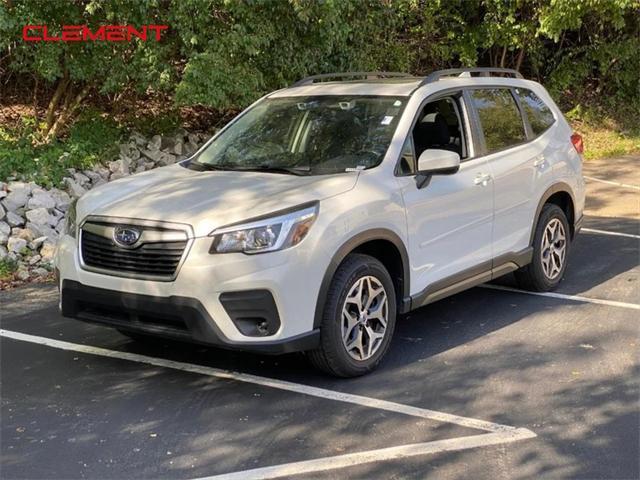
329 208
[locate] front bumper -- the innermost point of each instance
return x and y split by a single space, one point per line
180 318
200 297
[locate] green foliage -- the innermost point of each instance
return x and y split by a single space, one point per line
225 54
91 139
250 48
7 268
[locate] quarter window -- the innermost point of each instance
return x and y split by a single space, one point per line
499 118
539 115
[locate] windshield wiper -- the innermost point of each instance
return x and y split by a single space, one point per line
276 169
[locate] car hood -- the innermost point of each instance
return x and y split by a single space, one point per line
210 199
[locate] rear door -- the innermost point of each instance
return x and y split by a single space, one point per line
516 164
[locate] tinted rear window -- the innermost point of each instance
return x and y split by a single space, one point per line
499 118
539 115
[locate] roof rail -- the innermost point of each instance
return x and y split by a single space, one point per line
323 76
482 71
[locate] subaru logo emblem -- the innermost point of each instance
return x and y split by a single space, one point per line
126 236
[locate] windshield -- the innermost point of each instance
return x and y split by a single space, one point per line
306 135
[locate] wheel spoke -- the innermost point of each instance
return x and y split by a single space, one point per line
351 322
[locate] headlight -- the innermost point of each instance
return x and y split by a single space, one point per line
265 235
70 225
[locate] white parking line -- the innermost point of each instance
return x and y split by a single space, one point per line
498 433
575 298
607 232
392 453
609 182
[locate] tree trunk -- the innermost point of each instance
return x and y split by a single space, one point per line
61 89
520 58
70 106
504 56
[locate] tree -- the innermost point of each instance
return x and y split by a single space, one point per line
76 69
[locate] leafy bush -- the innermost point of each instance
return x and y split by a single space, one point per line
91 139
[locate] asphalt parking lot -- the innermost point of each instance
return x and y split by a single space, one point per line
490 383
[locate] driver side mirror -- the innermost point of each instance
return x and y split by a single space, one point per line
436 162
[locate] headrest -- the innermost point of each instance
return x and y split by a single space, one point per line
433 129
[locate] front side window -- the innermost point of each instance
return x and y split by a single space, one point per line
499 118
306 135
539 115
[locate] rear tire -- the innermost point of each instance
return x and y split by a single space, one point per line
358 320
551 244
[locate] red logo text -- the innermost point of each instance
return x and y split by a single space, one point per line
82 33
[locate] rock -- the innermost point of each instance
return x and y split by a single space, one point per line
2 212
102 181
16 199
178 148
5 228
103 172
116 176
62 199
40 216
41 230
155 143
3 237
22 274
93 176
81 179
40 272
16 245
47 252
167 143
153 155
190 147
166 159
120 166
41 199
24 233
138 139
75 190
14 220
37 243
3 253
3 193
32 260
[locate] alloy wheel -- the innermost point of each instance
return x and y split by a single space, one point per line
554 248
364 318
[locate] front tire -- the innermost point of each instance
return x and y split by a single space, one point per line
358 320
551 244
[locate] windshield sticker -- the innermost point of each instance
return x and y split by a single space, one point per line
386 120
397 103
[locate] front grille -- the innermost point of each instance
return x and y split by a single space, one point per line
156 259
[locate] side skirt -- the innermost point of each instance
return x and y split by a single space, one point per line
482 273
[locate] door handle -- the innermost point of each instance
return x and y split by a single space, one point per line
539 162
482 179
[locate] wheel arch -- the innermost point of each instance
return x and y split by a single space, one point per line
559 194
380 243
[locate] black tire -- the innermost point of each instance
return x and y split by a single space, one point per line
332 356
532 276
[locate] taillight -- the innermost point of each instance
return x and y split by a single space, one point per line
578 144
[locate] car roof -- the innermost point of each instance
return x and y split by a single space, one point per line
384 87
395 84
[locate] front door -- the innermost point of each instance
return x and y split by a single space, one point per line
450 220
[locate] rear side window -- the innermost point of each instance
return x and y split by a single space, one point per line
500 118
539 115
